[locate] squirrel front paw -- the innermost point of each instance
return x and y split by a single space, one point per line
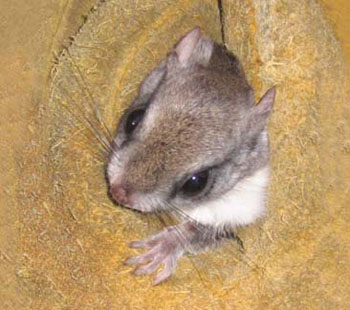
164 248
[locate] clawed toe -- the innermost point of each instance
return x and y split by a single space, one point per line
168 270
147 269
141 259
163 249
138 244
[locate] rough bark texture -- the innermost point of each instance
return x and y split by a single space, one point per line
63 242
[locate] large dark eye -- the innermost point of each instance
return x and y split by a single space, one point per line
133 120
196 183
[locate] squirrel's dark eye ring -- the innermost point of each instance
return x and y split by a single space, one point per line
196 183
133 121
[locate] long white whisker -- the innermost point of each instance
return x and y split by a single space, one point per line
93 104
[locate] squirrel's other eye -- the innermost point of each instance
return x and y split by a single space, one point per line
196 183
133 121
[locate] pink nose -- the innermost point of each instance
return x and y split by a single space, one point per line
120 194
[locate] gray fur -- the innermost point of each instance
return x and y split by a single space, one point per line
200 113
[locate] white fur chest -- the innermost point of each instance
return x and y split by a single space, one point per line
241 205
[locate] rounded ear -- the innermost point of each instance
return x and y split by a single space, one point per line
261 111
185 47
265 105
151 82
